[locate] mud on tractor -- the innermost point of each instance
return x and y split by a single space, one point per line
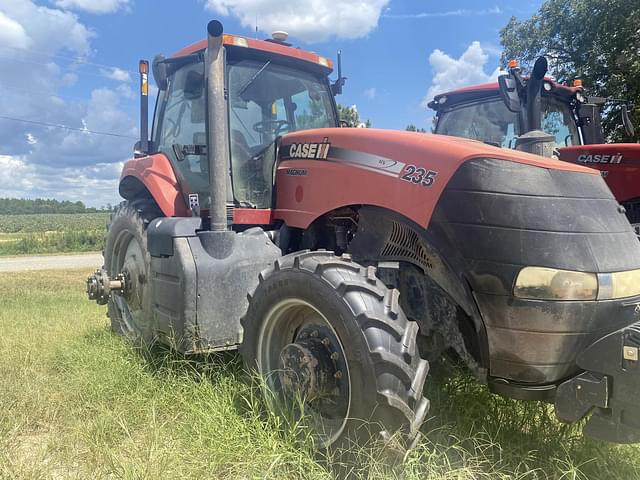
504 114
341 261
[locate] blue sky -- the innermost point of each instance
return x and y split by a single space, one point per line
73 63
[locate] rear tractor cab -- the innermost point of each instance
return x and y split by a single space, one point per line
504 113
340 261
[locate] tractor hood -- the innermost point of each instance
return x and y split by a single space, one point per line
421 149
324 169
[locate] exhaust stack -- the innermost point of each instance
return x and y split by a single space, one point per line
534 93
216 126
534 140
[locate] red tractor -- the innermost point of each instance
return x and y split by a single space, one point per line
340 261
498 113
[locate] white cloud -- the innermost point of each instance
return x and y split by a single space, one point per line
12 34
461 12
93 6
95 186
450 73
370 93
39 160
307 20
117 74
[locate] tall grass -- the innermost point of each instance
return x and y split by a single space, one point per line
78 402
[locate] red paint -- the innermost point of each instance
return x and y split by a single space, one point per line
622 177
268 47
493 87
156 173
299 194
252 216
330 185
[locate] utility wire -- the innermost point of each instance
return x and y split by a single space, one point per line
65 127
78 59
68 68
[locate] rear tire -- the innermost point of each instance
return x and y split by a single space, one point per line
131 312
382 377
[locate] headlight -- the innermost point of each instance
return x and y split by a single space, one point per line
625 284
543 283
551 284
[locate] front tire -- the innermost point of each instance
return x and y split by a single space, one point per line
326 329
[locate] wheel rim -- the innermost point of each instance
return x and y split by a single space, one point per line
301 356
128 259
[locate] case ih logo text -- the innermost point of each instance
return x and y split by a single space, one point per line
600 158
310 150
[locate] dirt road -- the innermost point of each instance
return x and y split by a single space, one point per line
50 262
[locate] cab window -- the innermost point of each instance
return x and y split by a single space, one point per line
489 122
181 127
557 120
266 101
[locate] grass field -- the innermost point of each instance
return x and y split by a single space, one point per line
52 233
78 402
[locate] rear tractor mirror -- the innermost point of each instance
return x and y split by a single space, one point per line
508 87
626 121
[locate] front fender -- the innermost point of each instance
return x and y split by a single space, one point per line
155 174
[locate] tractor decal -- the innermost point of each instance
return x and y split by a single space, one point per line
325 152
600 158
314 150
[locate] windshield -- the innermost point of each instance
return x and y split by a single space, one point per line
491 122
267 100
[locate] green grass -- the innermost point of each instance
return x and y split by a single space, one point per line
52 233
79 402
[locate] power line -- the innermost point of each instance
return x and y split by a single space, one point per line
65 127
68 68
77 59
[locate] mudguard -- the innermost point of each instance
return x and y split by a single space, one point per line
156 174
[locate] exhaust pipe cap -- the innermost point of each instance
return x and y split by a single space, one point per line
215 28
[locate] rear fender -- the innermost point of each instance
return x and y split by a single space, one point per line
155 175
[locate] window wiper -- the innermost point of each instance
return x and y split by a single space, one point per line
253 79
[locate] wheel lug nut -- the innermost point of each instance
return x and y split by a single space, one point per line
314 333
326 342
335 356
337 375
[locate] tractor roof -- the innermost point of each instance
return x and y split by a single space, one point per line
483 90
267 46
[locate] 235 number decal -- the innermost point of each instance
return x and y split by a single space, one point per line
419 175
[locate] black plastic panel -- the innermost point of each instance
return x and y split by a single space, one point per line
501 216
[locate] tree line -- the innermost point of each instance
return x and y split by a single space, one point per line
22 206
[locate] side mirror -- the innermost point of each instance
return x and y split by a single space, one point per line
589 122
509 92
160 74
626 121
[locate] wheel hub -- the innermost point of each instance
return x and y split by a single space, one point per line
311 367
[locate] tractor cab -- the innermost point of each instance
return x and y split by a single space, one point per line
270 93
480 113
563 117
